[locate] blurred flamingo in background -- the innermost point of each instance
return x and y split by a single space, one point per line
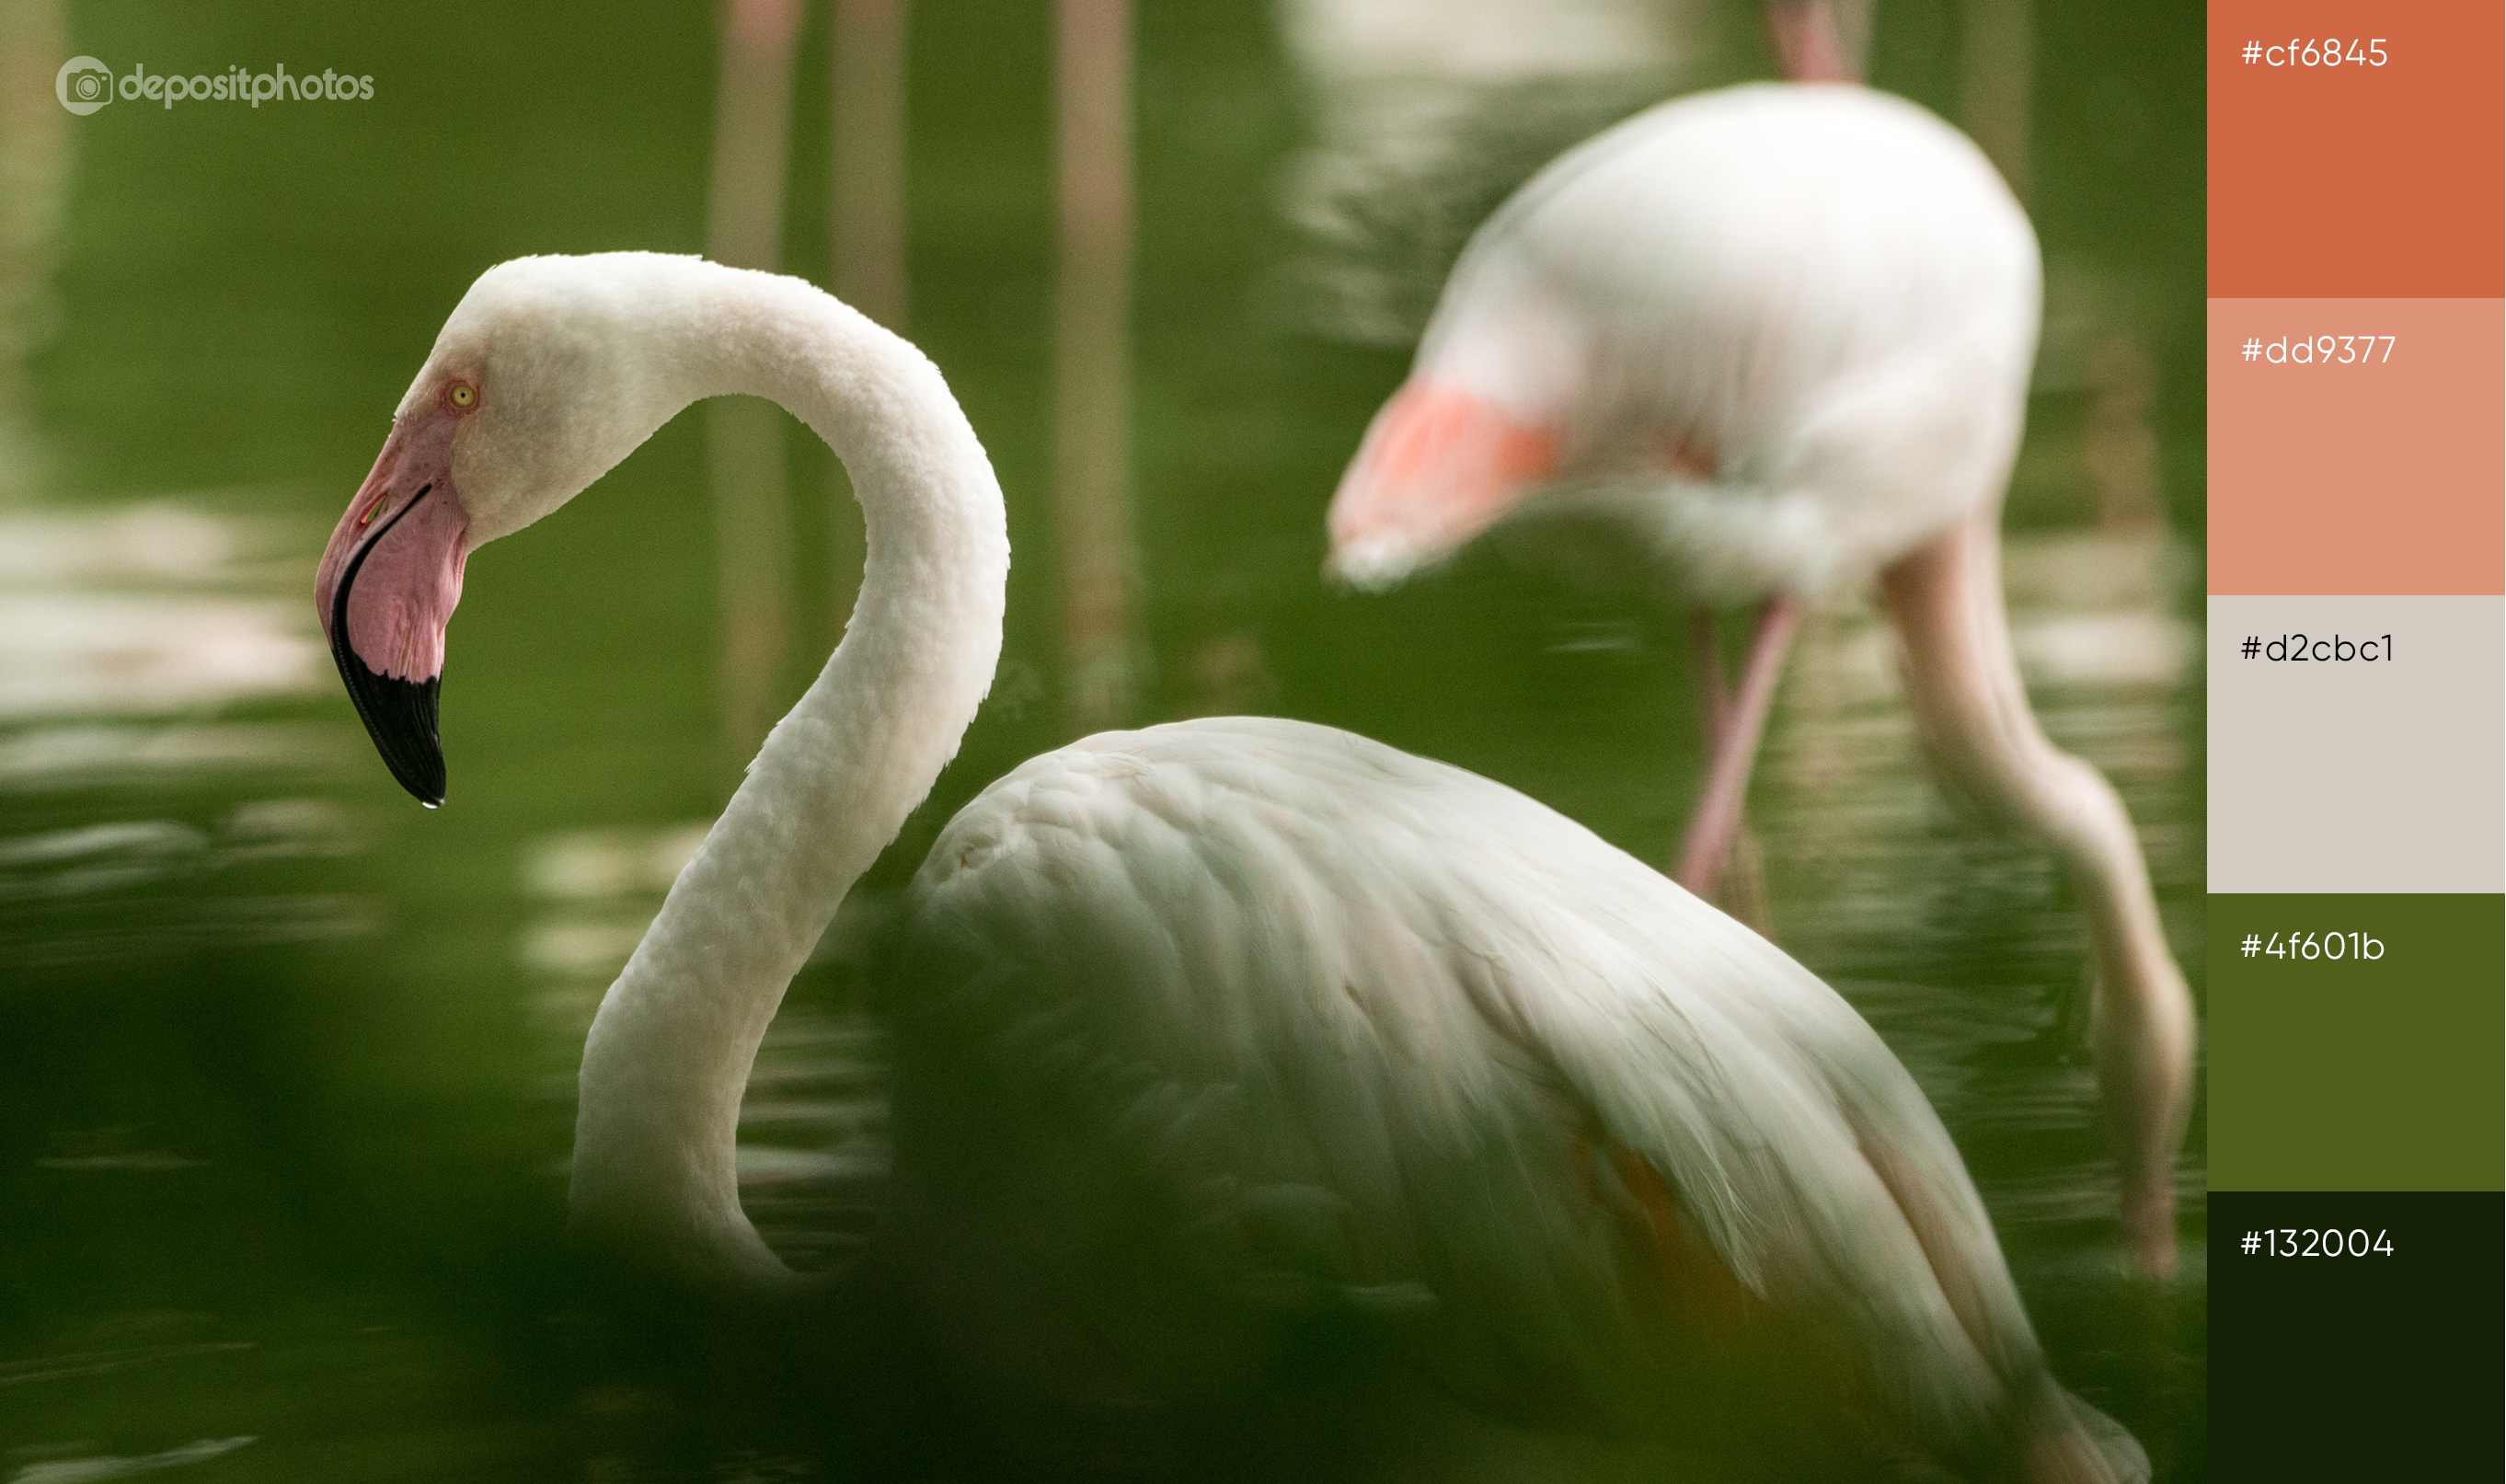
1782 334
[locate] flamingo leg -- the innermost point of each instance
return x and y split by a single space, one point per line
1707 649
1819 41
1744 887
1732 746
1986 746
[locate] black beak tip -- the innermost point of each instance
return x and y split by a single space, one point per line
400 715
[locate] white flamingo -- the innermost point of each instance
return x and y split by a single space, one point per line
1781 333
1215 1022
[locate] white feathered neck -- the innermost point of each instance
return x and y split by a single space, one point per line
669 1052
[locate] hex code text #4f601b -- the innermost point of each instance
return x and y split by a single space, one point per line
2313 946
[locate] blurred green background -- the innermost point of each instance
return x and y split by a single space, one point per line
285 1061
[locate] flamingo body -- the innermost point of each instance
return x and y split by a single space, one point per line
1782 336
1215 1025
1260 1008
1782 331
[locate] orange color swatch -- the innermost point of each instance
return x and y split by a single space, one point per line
2358 179
2387 474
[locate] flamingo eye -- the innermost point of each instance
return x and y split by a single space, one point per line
464 394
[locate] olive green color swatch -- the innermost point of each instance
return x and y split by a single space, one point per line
2363 1054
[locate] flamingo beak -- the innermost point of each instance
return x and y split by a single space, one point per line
1437 466
386 586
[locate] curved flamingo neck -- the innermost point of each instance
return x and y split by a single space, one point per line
669 1052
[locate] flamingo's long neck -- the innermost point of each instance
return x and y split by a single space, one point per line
669 1052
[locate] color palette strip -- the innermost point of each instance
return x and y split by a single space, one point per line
2357 735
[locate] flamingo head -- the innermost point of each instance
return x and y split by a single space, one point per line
534 389
1439 465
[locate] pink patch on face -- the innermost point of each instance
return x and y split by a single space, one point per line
406 538
1437 466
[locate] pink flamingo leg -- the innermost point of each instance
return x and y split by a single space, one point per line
1708 651
1809 43
1734 746
1743 891
1988 749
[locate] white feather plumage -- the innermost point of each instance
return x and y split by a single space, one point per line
1213 1027
1236 958
1827 288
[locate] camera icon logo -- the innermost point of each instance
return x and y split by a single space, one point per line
84 85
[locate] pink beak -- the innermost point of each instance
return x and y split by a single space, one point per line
1439 466
386 586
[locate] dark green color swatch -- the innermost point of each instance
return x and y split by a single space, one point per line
2352 1073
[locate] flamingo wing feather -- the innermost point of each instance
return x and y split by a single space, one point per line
1827 293
1348 1018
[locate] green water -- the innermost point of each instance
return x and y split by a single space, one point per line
284 1061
